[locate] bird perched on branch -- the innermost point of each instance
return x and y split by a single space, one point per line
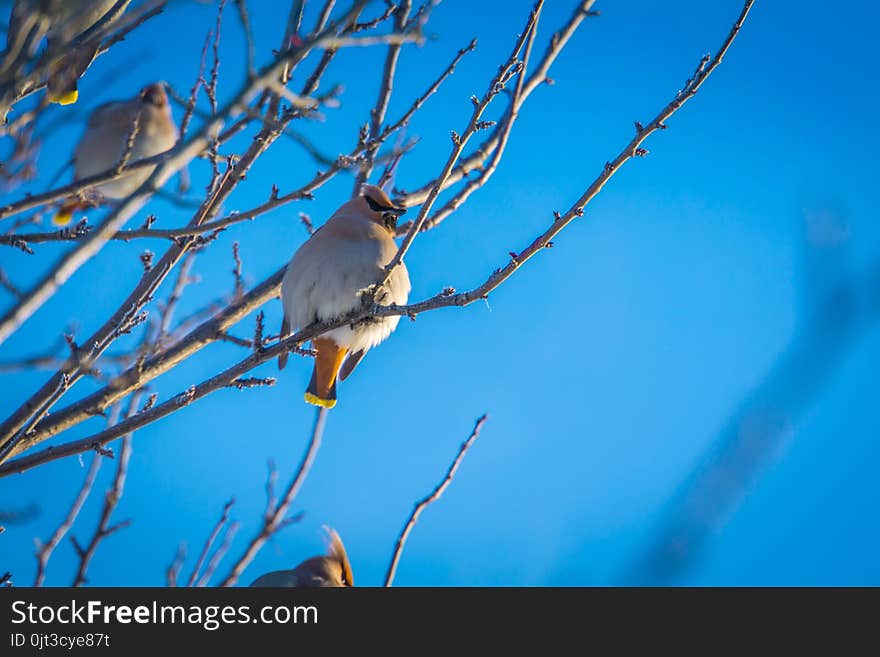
332 570
125 130
333 273
64 22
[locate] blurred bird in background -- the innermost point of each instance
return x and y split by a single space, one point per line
63 22
145 122
332 570
328 276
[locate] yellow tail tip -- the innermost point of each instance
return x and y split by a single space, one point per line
314 400
65 98
62 217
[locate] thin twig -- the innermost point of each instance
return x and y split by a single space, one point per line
478 158
430 499
250 48
7 285
486 173
224 518
44 550
190 104
236 272
377 113
507 70
219 553
111 501
172 573
276 513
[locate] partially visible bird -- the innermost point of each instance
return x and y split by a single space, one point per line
332 570
63 21
146 117
328 276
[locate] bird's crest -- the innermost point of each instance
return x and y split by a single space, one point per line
336 550
377 198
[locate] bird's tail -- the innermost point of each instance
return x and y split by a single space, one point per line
63 96
61 87
64 215
322 387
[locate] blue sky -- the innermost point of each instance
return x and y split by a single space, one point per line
608 365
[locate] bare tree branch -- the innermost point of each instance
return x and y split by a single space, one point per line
377 113
216 327
111 501
136 377
434 495
171 163
478 158
486 172
13 430
52 388
221 523
173 571
276 517
303 193
250 48
228 535
507 70
44 550
754 431
9 286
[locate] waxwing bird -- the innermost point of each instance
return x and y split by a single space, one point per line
63 21
328 275
148 117
332 570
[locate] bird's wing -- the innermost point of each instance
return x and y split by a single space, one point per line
351 361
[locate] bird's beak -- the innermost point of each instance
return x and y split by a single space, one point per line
397 211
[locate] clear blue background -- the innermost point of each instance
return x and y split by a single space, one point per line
608 365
